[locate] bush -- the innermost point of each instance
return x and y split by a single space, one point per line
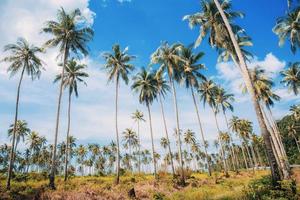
262 189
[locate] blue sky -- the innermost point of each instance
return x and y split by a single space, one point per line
141 25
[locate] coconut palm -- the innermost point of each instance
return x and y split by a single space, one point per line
291 77
208 91
189 139
71 36
130 140
73 75
217 20
288 28
163 87
168 56
138 117
144 84
263 89
22 59
295 112
191 76
118 67
224 102
292 132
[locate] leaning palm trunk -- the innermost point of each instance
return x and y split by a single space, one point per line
12 150
178 132
278 136
246 76
222 146
117 134
281 159
53 162
152 142
67 141
201 131
249 155
167 135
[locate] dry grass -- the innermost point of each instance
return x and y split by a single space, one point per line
199 186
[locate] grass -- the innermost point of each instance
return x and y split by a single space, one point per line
199 186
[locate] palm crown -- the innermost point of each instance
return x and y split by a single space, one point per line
23 56
68 32
117 63
72 76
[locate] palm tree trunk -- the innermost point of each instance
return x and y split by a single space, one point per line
222 146
152 142
201 131
245 73
281 159
253 155
68 135
244 156
53 163
258 155
139 148
117 134
167 134
12 152
234 162
178 132
296 142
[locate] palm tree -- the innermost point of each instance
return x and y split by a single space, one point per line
208 91
118 66
295 112
263 89
70 35
292 132
191 77
291 77
81 153
189 139
163 88
144 84
138 117
130 140
217 19
287 28
72 76
33 141
22 58
168 56
223 100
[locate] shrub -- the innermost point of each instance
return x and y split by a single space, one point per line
262 189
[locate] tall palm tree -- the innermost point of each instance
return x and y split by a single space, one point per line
163 88
33 141
291 77
288 28
189 139
144 84
263 89
118 66
168 56
191 76
138 117
224 101
217 20
130 140
22 59
208 91
73 75
71 36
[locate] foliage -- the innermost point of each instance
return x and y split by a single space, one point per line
262 189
